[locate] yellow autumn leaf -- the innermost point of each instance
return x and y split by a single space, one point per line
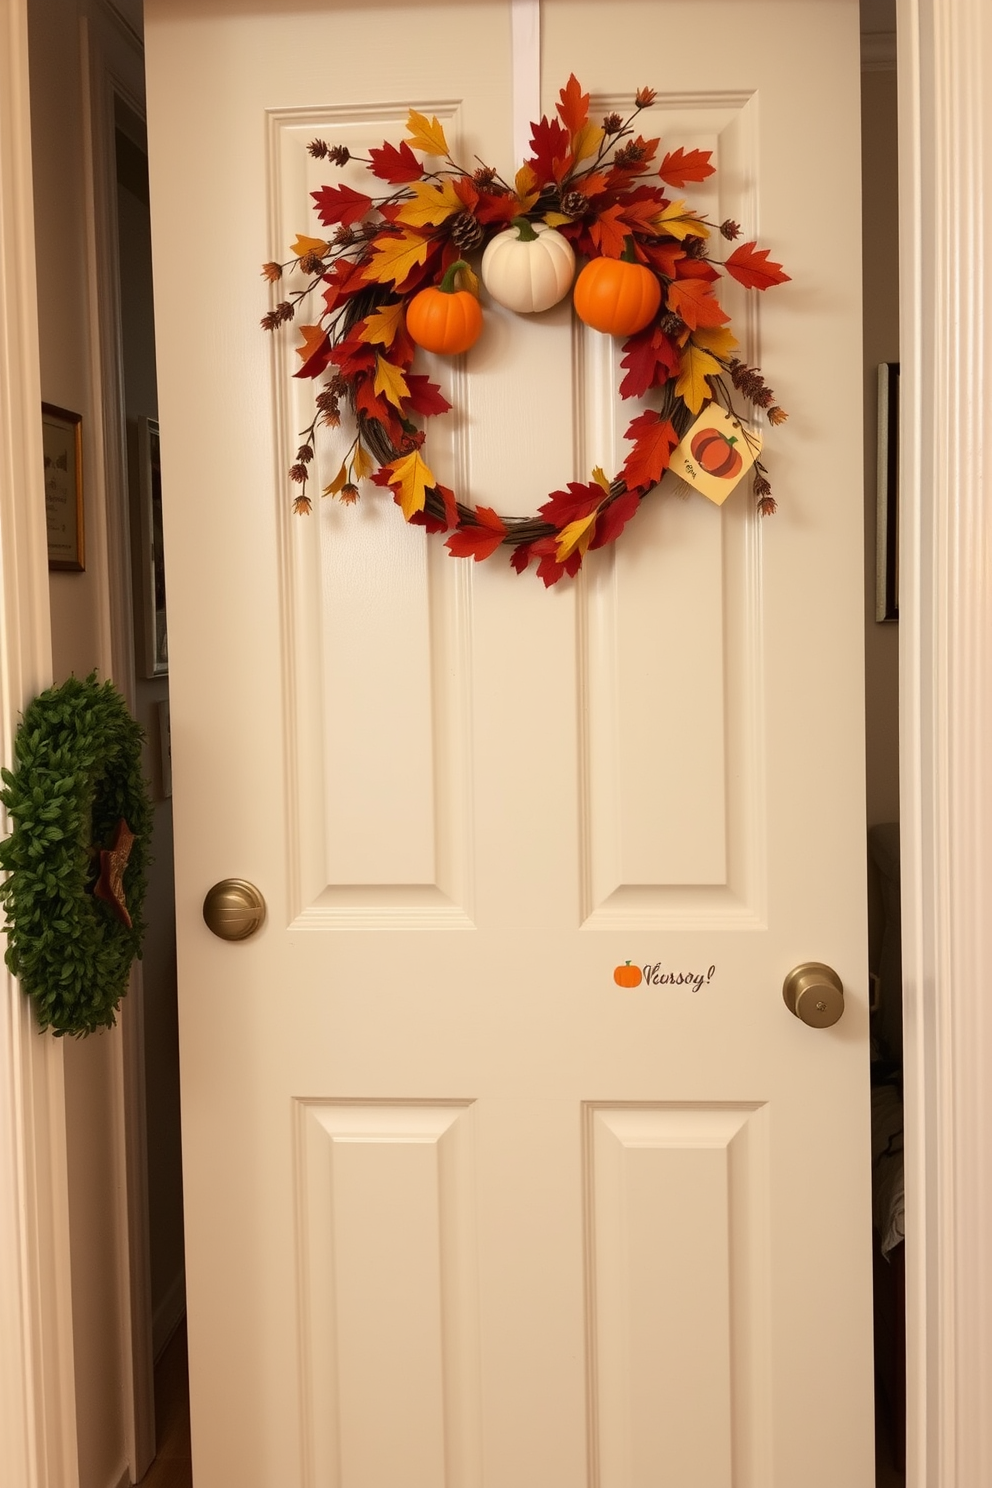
576 536
468 279
525 181
415 478
389 379
363 463
393 258
679 222
720 340
587 141
381 327
305 245
337 482
692 386
556 219
431 205
426 134
600 477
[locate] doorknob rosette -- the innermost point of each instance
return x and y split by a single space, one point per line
814 993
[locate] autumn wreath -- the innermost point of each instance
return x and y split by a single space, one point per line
394 275
77 854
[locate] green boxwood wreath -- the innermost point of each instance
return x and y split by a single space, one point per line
78 773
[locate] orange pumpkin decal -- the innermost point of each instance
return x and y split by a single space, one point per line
617 295
716 454
443 318
627 975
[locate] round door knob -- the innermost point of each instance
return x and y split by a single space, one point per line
815 993
233 909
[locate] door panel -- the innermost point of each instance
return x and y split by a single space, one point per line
462 1211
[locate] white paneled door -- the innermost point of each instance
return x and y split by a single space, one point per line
463 1212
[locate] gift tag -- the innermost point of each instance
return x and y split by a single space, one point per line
715 453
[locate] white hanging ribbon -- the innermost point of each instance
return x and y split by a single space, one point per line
525 20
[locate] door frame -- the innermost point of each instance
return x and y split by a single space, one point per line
945 134
37 1384
945 637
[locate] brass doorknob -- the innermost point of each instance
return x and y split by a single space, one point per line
815 993
233 909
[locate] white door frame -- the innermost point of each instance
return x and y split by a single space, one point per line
37 1388
945 52
945 633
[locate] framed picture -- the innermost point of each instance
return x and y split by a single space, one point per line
887 498
152 628
61 433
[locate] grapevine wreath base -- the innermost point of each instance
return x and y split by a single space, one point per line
77 855
394 275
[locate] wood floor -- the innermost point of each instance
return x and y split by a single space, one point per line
172 1467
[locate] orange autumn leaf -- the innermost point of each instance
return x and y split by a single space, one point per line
573 105
694 301
305 245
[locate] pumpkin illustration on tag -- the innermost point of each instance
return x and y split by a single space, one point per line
716 454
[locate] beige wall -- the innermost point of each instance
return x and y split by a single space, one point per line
881 344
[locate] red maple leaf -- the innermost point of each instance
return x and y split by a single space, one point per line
649 459
578 501
395 164
495 207
368 402
425 519
680 166
573 109
352 356
694 301
480 541
549 142
614 518
426 397
315 351
651 358
341 204
522 554
342 279
751 267
549 569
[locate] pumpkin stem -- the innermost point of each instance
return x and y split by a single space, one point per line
731 439
629 254
447 285
525 229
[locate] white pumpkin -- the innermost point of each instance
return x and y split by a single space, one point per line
529 267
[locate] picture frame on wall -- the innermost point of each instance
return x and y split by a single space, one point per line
887 497
153 627
62 444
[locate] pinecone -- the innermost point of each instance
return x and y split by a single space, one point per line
575 204
671 324
694 247
485 180
730 229
466 233
749 381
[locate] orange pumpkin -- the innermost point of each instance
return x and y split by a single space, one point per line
716 454
617 295
443 318
627 975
